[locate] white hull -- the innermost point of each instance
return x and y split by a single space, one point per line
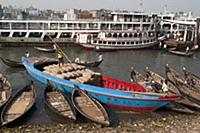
110 47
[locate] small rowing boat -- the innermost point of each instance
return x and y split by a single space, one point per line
18 106
192 79
89 107
5 90
156 87
90 63
59 103
11 63
158 79
192 93
48 50
182 53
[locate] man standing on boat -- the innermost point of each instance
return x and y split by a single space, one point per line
60 57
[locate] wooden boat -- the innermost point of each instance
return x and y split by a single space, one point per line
90 63
188 103
158 80
48 50
59 103
113 92
89 107
180 45
156 86
18 106
187 90
136 77
178 107
5 90
173 76
182 53
192 79
11 63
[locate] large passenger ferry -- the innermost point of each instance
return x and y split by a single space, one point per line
129 31
124 28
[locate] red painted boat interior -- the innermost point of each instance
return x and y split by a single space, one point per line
111 83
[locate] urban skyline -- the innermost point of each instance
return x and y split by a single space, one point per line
148 6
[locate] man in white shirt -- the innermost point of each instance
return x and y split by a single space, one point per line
164 86
100 57
77 60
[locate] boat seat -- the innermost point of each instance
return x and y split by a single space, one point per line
18 107
100 117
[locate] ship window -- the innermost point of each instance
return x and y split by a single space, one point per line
125 35
140 42
113 42
135 35
109 35
118 42
140 35
5 34
147 41
115 35
95 41
132 42
136 42
109 42
100 42
127 43
120 34
123 42
104 42
144 41
130 35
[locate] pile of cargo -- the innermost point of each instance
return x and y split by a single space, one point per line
74 73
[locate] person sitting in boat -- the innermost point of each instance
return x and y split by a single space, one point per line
164 86
188 79
133 74
187 49
77 60
60 58
147 84
100 57
27 54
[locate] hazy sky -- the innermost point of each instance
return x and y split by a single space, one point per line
149 5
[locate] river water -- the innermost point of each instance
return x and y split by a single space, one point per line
115 64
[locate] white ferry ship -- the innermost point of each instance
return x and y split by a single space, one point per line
134 30
125 28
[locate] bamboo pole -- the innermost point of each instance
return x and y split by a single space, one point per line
57 46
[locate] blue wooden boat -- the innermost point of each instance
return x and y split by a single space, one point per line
113 92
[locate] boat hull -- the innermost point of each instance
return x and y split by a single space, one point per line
113 48
114 98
